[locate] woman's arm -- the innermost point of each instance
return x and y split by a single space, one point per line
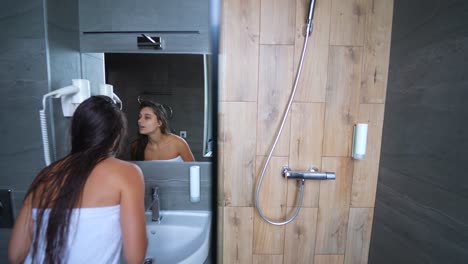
184 150
132 214
21 236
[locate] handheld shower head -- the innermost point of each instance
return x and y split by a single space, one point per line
310 17
311 11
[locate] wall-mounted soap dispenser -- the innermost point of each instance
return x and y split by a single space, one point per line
359 141
195 184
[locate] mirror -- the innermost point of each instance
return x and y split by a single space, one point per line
158 51
181 75
49 43
179 82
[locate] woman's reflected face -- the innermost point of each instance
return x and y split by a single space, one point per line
148 121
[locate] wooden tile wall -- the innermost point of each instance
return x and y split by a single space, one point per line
343 82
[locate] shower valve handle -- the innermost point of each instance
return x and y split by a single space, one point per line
312 174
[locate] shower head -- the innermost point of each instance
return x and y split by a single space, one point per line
309 25
311 11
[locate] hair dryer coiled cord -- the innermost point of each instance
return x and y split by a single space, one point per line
45 136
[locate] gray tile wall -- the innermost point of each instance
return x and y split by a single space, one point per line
173 179
65 64
38 52
421 213
92 68
23 81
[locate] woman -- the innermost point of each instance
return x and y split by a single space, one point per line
81 208
155 142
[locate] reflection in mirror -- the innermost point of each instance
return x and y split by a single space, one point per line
179 82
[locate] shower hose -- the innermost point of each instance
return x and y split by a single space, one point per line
283 121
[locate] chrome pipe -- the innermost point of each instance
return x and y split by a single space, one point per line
312 174
311 11
310 16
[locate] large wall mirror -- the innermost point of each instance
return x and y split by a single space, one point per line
162 51
158 51
181 83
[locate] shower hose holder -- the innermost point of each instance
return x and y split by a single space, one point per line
312 174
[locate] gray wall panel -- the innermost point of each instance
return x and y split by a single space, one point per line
65 64
23 81
421 213
173 180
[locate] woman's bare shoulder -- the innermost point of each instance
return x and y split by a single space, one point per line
178 140
183 148
121 168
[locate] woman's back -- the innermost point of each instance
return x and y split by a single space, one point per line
87 180
103 186
95 234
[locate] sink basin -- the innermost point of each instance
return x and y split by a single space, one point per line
180 237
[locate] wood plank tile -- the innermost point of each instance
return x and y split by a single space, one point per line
220 154
359 235
269 239
329 259
334 206
344 70
277 22
336 193
313 80
305 149
220 235
238 233
268 259
376 51
239 153
366 171
331 230
300 237
276 66
348 20
239 48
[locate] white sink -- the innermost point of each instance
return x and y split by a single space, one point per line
180 237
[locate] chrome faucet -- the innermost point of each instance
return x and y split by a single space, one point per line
155 208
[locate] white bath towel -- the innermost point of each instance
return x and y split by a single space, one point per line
176 159
94 237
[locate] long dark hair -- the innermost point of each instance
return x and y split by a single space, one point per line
139 144
98 129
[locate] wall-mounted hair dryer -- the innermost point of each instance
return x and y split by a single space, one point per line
71 96
108 90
